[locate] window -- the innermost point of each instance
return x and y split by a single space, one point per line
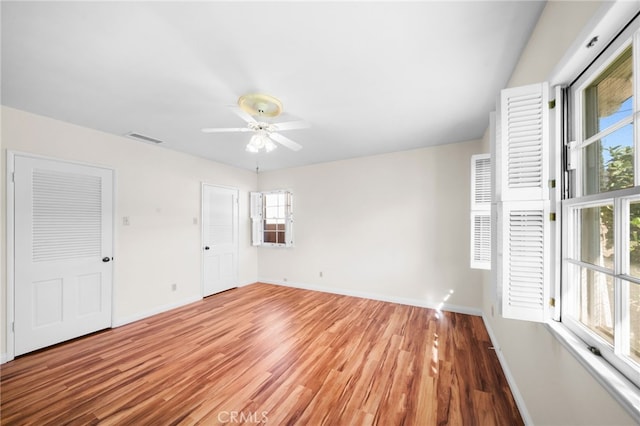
607 127
481 211
590 266
601 247
272 218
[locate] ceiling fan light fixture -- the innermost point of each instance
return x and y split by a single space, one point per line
260 141
270 146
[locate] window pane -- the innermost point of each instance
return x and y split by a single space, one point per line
272 212
634 239
596 235
270 237
271 200
634 319
596 302
608 163
609 98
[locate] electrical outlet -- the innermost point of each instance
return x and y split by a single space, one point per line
125 221
320 274
174 287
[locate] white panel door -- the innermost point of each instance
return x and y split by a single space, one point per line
220 238
63 250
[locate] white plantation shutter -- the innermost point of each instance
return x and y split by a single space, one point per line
257 222
522 163
288 225
525 142
480 181
480 240
525 266
481 211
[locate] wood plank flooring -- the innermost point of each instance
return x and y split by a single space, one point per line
268 354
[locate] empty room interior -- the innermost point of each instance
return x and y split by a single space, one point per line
320 212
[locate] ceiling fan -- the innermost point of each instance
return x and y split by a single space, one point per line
265 133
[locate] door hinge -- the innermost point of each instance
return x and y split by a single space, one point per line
13 177
13 327
552 217
552 183
552 104
552 301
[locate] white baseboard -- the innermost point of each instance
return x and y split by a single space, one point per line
118 322
4 357
160 309
517 396
375 296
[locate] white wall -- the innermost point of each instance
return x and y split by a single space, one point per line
159 190
555 388
392 226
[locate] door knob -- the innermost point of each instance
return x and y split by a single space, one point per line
206 247
106 259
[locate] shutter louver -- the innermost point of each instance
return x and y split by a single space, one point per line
481 211
257 223
481 240
288 226
481 180
523 202
525 263
67 216
525 135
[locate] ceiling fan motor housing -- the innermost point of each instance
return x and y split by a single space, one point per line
258 104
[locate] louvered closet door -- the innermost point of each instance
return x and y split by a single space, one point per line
63 249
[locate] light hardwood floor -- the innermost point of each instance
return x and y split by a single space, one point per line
265 353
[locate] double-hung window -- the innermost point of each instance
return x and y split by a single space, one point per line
601 216
272 218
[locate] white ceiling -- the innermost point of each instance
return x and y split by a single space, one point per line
370 77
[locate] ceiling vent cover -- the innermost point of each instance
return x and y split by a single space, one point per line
143 138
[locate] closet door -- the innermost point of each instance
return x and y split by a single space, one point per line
220 238
63 231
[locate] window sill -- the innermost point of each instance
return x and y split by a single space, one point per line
620 388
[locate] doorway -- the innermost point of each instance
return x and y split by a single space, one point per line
219 238
61 225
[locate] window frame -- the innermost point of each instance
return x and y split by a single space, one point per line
258 218
614 353
577 104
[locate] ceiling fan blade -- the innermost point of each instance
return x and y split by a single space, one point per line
242 114
285 141
227 129
290 125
